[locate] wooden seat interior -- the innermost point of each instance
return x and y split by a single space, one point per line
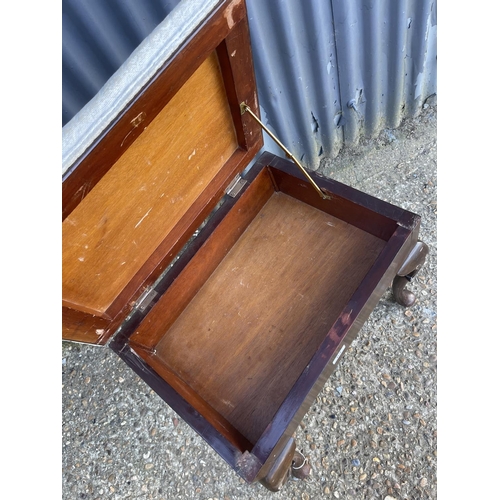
248 333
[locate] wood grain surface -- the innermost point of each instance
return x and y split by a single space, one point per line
204 262
120 223
250 331
214 33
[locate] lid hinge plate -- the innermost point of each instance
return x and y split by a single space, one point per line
145 299
235 186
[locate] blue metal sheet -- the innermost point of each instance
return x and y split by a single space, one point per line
297 78
331 72
98 36
328 71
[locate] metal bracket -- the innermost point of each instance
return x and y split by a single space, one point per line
145 299
245 108
235 186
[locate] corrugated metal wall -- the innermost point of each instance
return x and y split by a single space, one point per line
98 35
328 71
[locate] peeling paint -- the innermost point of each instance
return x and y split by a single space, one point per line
353 48
314 123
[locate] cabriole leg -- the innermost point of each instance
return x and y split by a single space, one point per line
288 462
409 269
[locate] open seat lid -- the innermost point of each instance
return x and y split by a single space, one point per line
134 193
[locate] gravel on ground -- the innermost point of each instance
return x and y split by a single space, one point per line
371 433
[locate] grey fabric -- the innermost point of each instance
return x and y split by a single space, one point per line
79 133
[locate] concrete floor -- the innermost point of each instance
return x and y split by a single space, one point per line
372 431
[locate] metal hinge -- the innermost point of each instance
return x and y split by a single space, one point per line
145 299
235 186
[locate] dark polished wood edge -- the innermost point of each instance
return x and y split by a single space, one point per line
232 44
347 203
364 300
185 410
398 227
245 464
352 318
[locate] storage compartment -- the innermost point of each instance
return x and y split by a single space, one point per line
244 318
239 330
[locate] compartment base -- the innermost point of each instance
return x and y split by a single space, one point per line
248 334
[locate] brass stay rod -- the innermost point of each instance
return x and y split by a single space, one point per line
244 107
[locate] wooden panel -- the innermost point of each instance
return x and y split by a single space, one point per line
362 210
120 223
350 321
228 18
208 257
250 331
83 327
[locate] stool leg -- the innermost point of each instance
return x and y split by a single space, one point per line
288 462
300 468
409 269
